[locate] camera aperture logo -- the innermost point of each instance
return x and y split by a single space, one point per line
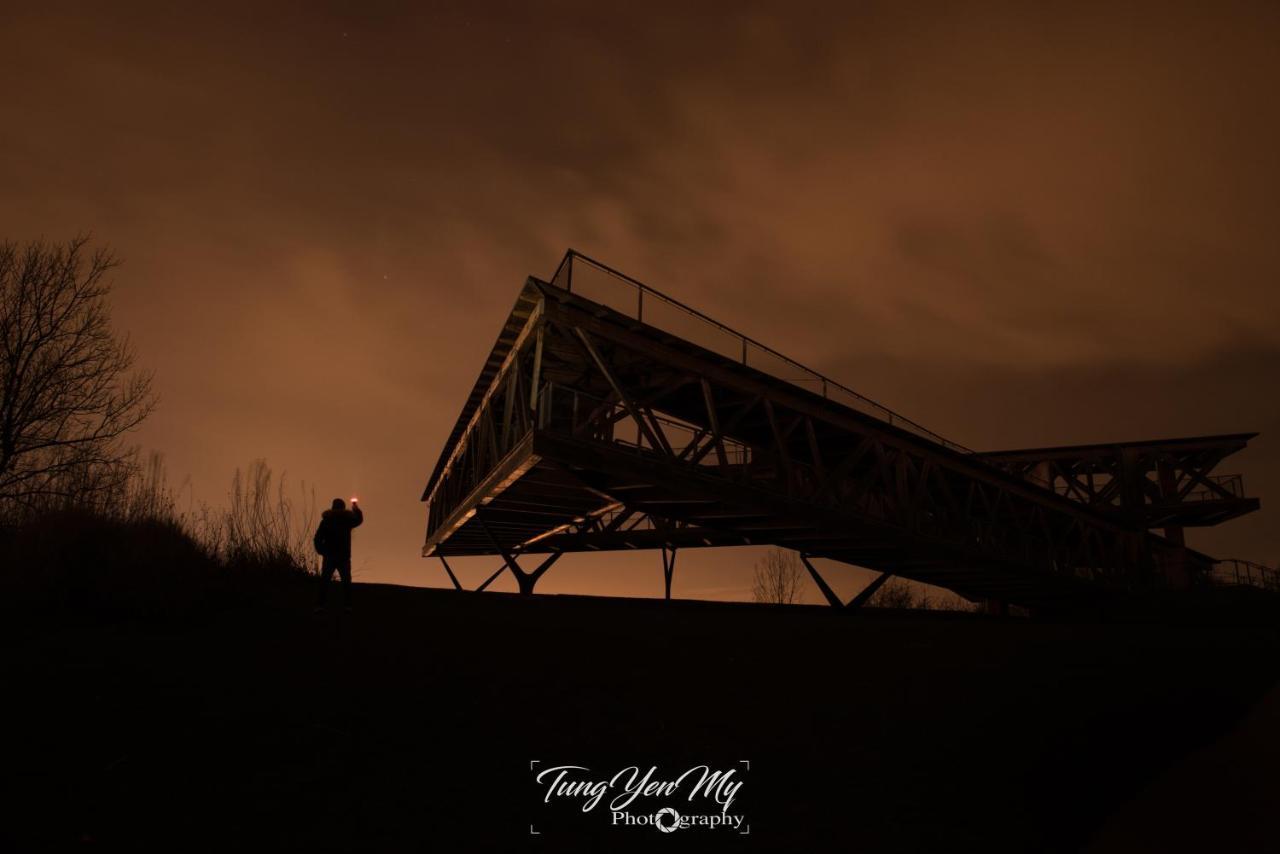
701 797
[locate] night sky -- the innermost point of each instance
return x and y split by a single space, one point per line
1020 227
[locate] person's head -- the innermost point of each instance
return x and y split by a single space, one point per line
339 504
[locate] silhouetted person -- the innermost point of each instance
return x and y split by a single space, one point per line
333 542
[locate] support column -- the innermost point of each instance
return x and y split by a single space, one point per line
490 579
668 569
1132 476
526 580
832 599
1167 478
1174 562
449 569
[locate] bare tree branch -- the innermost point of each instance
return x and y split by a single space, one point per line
68 391
779 578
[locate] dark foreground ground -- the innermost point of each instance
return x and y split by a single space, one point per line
412 724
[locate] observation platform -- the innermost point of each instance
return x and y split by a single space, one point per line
610 416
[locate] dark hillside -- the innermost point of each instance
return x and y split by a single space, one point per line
412 723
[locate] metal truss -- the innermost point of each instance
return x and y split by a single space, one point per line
592 430
1166 483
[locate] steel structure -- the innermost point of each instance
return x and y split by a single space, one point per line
610 416
1163 483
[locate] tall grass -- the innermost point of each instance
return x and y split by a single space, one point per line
134 549
261 528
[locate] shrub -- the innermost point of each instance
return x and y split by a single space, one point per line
140 556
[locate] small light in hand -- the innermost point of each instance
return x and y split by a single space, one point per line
354 499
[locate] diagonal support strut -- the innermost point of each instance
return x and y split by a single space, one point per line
857 601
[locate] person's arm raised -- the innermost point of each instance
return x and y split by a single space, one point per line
357 515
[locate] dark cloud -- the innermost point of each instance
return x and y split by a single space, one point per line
1023 226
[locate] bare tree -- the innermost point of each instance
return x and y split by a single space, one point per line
779 578
895 593
69 392
901 594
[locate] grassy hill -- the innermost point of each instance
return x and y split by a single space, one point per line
412 722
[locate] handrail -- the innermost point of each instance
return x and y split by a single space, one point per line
890 416
1232 484
1246 572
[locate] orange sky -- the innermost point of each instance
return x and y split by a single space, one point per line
1020 228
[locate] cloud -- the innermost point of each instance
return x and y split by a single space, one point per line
1028 223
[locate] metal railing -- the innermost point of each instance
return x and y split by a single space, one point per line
1236 572
601 283
1232 484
